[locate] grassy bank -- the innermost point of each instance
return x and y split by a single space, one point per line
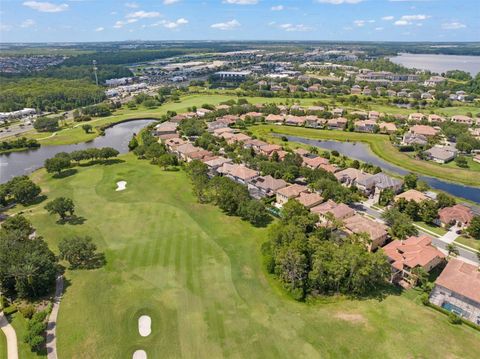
381 146
198 274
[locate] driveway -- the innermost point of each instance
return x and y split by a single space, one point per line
12 348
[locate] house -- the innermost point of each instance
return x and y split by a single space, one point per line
350 176
255 144
222 107
376 183
238 172
457 215
215 163
165 128
376 231
184 150
315 109
337 123
290 192
412 195
269 149
476 158
417 117
409 254
435 118
339 211
238 137
434 81
271 118
423 130
410 139
215 125
252 115
356 90
441 154
314 162
426 96
309 200
387 127
338 112
312 121
391 93
219 132
365 125
462 119
457 290
373 115
295 120
173 143
265 186
200 154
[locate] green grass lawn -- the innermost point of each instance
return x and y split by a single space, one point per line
472 165
435 229
380 145
3 346
198 274
469 241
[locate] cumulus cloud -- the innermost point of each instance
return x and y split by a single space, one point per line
228 25
295 27
378 28
121 23
339 2
142 14
387 18
27 23
170 2
454 25
45 6
361 23
277 8
99 29
241 2
171 24
410 19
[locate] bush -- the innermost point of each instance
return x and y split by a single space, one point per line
10 310
454 319
424 298
27 311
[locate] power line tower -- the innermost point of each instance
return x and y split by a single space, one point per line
95 71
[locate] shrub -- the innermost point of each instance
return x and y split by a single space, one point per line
27 311
454 319
424 298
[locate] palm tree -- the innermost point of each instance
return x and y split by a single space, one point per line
452 250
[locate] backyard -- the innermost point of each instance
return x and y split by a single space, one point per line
198 274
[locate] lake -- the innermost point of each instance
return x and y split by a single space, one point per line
22 163
361 151
439 63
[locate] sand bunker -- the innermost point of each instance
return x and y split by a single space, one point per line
139 354
144 325
121 185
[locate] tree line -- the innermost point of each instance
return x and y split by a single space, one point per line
20 143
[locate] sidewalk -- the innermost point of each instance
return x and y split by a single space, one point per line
12 347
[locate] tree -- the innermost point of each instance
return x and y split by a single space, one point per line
461 161
61 206
80 252
444 200
401 226
428 211
57 164
133 143
255 212
386 196
107 152
452 250
19 225
87 128
167 160
474 227
24 190
410 181
46 124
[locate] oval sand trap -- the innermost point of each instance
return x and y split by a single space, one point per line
121 185
139 354
144 325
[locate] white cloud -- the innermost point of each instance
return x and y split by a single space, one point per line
361 23
387 18
339 2
401 23
277 8
170 2
120 23
410 19
45 6
295 27
378 28
241 2
143 14
132 5
27 23
229 25
171 24
454 25
4 27
99 29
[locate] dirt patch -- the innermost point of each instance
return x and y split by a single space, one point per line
351 317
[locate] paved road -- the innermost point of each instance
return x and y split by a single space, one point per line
12 348
15 130
441 243
52 320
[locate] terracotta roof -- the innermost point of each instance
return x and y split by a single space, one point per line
412 195
461 278
423 130
217 161
309 199
361 224
315 162
292 191
239 171
174 142
412 252
339 210
269 183
456 213
268 149
166 126
187 148
274 118
351 174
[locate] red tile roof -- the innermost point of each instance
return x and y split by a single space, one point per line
461 278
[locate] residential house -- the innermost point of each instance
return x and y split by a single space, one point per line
165 128
376 183
417 117
309 200
313 109
387 127
238 172
269 149
252 115
337 123
407 255
314 162
215 163
457 215
412 195
373 115
365 126
376 231
338 112
183 151
441 154
436 118
434 81
339 211
173 143
238 137
290 192
423 130
462 119
349 176
295 120
457 290
255 144
201 112
265 186
410 139
271 118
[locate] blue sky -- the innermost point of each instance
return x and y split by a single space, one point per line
113 20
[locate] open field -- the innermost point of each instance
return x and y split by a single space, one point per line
198 274
380 145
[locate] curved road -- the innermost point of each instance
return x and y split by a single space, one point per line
12 348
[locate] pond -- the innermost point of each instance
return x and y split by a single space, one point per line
22 163
439 63
361 151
